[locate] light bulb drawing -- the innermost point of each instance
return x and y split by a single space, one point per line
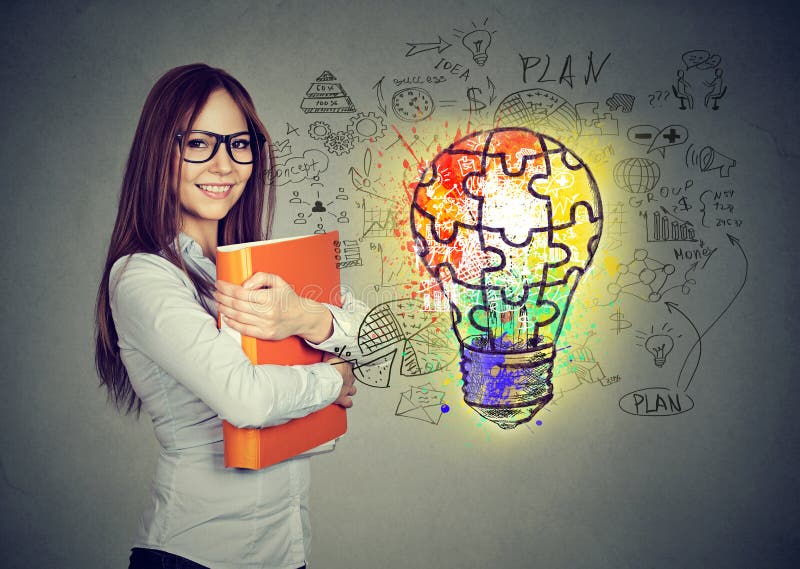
507 221
477 42
658 344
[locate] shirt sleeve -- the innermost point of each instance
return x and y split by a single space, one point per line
156 312
346 323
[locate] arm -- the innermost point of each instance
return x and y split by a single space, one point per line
267 307
155 312
346 323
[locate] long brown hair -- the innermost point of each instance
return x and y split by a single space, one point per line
149 212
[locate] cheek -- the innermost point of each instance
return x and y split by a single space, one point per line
245 172
189 172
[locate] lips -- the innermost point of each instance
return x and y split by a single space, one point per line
215 191
217 188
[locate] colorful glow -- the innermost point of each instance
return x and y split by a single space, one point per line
507 221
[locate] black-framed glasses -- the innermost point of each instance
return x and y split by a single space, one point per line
201 146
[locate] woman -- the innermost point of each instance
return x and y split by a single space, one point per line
196 177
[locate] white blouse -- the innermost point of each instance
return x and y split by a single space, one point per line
190 376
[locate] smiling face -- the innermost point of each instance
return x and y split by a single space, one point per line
209 190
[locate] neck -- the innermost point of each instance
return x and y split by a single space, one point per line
205 233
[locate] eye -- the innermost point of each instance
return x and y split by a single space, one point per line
196 142
240 143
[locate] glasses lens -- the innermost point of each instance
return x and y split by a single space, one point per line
242 147
198 146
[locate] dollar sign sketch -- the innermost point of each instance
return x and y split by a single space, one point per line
619 318
474 101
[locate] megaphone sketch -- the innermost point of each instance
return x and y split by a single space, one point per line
707 159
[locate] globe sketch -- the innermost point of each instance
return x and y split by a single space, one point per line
538 110
637 175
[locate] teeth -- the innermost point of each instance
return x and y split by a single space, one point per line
215 189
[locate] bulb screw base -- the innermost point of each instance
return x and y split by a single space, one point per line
508 388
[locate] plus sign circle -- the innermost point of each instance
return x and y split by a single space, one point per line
507 221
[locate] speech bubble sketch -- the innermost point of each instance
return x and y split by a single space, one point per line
643 134
672 135
655 139
306 167
701 59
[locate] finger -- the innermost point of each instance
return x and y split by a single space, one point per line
237 315
223 298
225 287
261 280
236 292
257 301
244 329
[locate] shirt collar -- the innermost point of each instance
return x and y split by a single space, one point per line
189 246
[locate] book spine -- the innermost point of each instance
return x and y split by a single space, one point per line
236 267
242 447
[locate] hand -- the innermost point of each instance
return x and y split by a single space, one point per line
345 368
267 307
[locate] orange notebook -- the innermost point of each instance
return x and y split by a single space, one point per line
309 265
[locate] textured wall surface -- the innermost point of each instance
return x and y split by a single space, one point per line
609 476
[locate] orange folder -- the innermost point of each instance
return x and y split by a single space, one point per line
309 265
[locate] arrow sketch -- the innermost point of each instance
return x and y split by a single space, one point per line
417 48
492 96
379 93
670 307
736 243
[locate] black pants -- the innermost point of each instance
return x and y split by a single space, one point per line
155 559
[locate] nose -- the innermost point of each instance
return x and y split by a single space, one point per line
221 162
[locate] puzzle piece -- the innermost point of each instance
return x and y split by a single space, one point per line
529 155
443 196
522 268
508 204
607 125
464 253
592 124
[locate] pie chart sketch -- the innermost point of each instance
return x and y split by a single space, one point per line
399 337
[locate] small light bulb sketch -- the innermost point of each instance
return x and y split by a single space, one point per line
658 344
477 42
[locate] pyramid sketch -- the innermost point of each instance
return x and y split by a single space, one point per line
326 95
